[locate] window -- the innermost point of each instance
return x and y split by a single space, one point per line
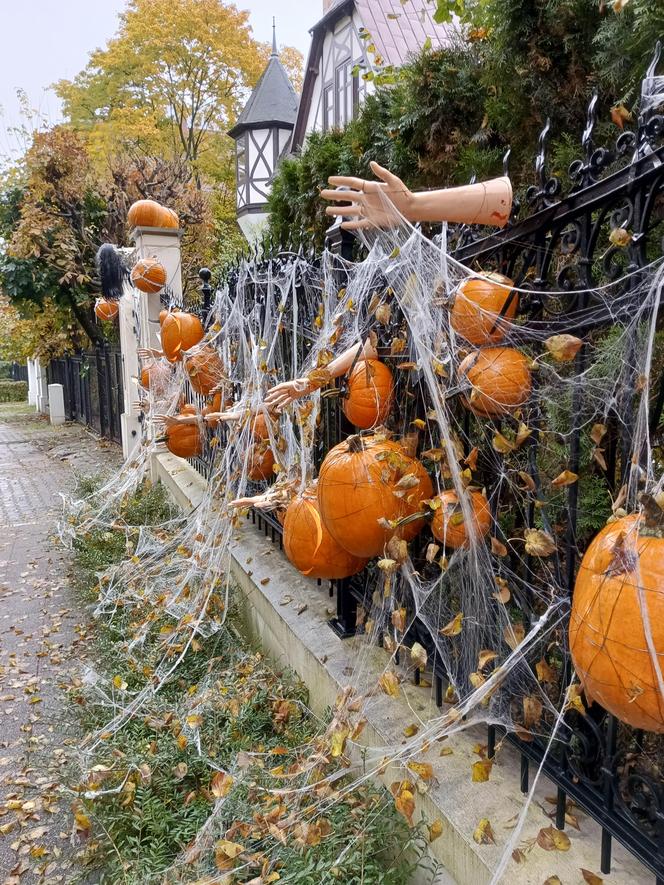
241 169
347 93
328 108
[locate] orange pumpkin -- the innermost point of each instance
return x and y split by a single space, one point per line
169 218
370 394
156 377
205 369
479 312
214 406
150 213
608 637
310 547
188 409
180 331
106 310
449 525
148 275
162 316
356 488
259 428
500 379
184 440
261 462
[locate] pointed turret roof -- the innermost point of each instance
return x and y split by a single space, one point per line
273 101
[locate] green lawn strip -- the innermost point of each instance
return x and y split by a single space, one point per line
209 750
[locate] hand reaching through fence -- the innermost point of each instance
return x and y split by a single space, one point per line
149 353
373 203
282 395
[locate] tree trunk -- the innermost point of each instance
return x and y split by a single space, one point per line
83 317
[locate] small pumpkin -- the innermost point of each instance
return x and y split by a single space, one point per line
205 369
180 331
366 479
156 377
259 429
370 394
261 462
500 379
150 213
309 545
162 316
449 525
482 308
214 406
106 310
184 440
148 275
608 638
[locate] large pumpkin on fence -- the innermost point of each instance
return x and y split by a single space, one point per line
449 525
620 579
184 440
500 380
180 331
481 308
106 310
205 369
366 479
150 213
370 394
261 462
310 546
148 275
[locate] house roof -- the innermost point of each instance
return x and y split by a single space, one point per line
398 29
405 31
273 101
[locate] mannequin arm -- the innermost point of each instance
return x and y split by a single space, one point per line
288 391
488 202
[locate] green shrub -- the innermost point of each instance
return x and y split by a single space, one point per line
13 391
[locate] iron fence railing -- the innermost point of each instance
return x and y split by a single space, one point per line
558 243
92 387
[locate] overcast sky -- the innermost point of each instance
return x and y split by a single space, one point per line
42 41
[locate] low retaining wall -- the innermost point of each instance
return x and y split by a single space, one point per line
295 634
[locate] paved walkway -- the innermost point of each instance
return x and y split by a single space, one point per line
42 639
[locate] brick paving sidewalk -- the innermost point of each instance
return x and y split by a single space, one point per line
42 638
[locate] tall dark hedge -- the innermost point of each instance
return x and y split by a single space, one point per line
453 113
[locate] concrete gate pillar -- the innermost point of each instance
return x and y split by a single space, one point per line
139 320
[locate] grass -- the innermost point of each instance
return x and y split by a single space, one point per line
225 708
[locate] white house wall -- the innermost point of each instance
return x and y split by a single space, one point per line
338 45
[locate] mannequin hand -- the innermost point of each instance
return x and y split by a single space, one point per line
258 501
174 420
149 353
286 393
369 208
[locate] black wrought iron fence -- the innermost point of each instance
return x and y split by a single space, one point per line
92 387
560 243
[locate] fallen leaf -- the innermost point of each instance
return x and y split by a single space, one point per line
422 769
502 444
435 829
514 634
539 543
566 478
454 626
389 683
418 656
481 770
483 834
221 784
486 656
591 878
497 547
563 348
551 839
411 730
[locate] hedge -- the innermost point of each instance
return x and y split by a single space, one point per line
13 391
